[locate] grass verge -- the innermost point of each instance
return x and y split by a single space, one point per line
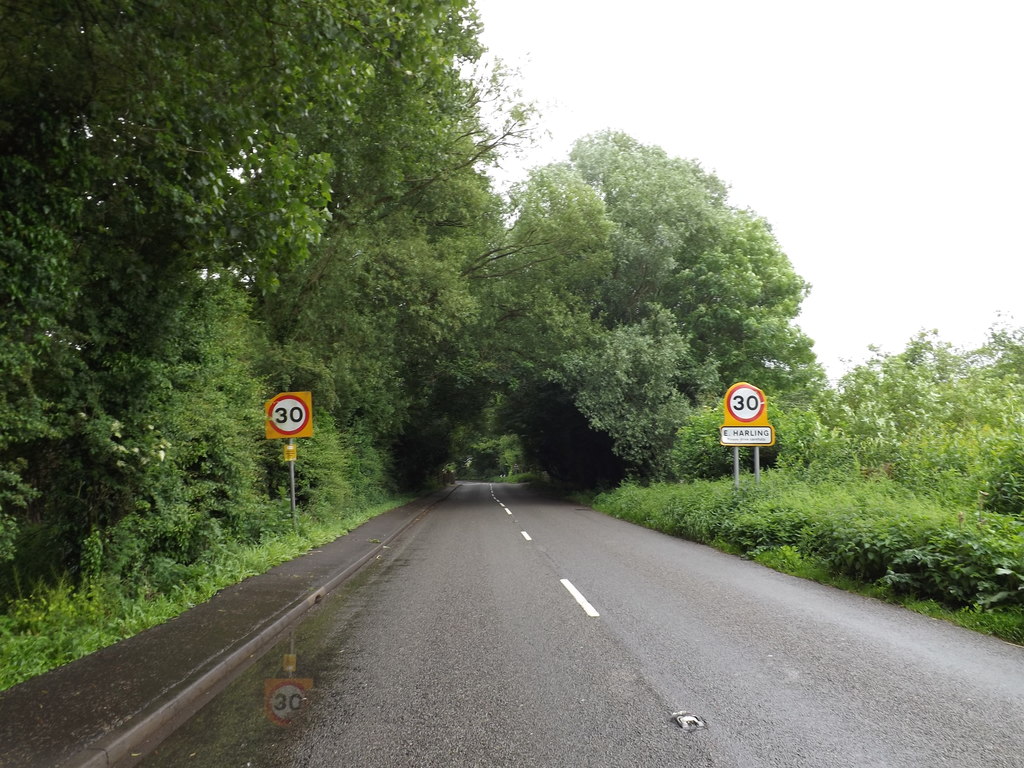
1004 623
61 622
862 536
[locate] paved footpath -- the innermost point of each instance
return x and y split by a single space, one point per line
94 712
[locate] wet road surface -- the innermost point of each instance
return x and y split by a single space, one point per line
473 641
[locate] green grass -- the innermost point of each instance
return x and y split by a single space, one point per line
1005 623
58 623
866 536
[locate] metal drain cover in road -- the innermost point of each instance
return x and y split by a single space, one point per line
688 721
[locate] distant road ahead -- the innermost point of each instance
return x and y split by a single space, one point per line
473 643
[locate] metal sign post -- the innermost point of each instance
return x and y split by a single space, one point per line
289 456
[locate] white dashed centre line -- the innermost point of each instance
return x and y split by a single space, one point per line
526 535
586 606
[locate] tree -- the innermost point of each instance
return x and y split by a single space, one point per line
657 295
375 320
628 386
165 164
679 245
557 437
537 283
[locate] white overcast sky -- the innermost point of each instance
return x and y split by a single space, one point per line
883 140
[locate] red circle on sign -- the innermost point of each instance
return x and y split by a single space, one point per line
282 417
745 402
284 699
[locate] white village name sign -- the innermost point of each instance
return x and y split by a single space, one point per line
747 436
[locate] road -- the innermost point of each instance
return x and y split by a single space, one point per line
462 646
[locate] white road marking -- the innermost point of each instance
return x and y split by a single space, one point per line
526 535
509 511
586 606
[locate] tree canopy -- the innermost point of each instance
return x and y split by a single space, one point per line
187 187
652 294
207 203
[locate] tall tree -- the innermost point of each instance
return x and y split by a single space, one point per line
152 153
374 321
678 244
674 293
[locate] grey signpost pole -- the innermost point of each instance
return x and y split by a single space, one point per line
757 464
736 468
291 472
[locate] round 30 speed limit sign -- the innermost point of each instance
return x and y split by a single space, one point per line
284 699
290 414
745 405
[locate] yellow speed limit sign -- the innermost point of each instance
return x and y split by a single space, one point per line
289 414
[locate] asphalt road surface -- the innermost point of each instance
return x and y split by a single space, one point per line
473 642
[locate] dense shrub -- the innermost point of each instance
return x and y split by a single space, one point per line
696 453
803 443
980 565
809 447
943 422
337 470
868 530
694 511
1004 473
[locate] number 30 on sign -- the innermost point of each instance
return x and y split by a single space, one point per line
289 414
745 405
284 699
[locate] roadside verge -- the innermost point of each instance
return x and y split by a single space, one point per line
99 710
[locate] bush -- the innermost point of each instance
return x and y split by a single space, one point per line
861 548
336 470
867 530
806 446
970 565
697 511
696 453
803 444
1004 478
